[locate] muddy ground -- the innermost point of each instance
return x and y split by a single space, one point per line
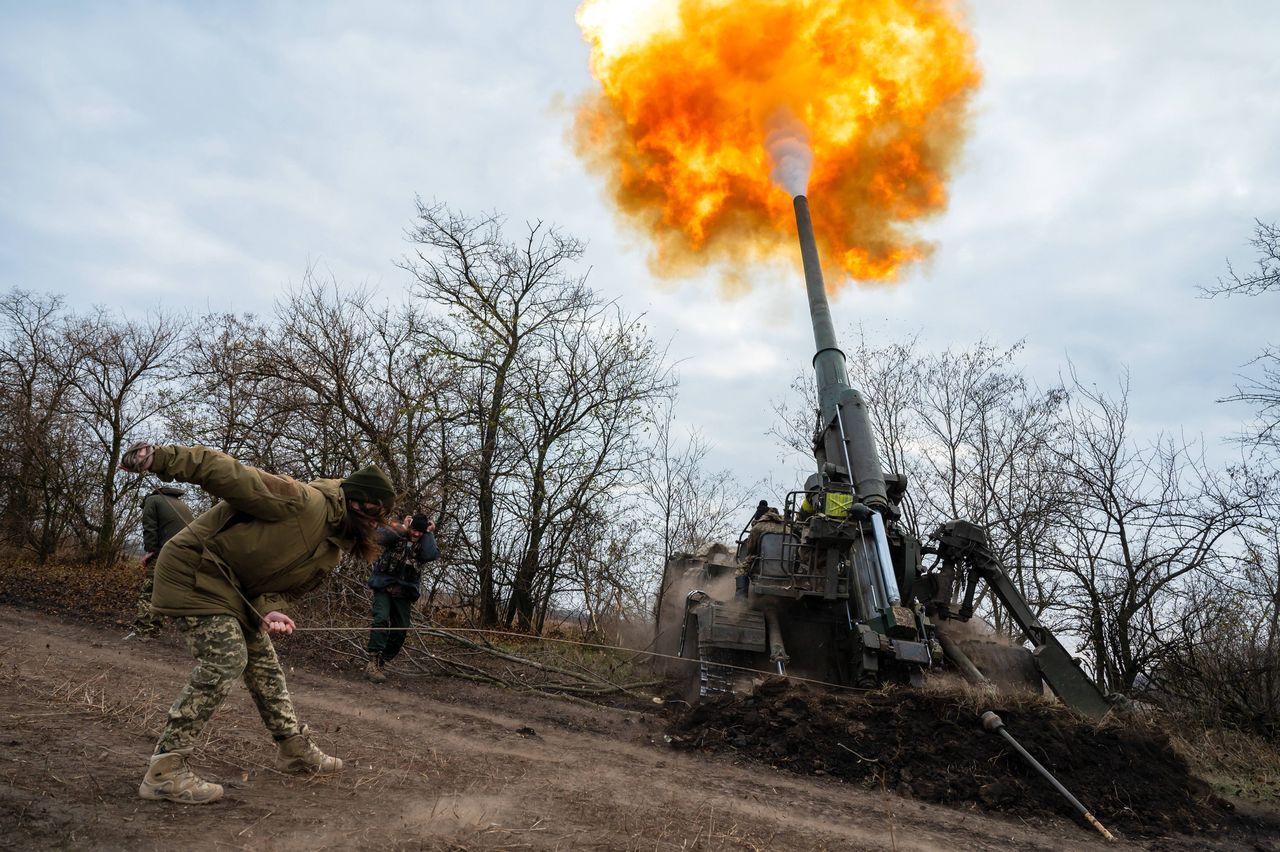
437 763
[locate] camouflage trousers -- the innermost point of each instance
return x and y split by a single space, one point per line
147 622
224 652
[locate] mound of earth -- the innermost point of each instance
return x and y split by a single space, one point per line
932 747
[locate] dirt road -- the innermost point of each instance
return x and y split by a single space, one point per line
432 763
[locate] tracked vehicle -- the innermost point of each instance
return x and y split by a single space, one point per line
833 587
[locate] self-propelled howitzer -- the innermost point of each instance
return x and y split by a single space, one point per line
830 585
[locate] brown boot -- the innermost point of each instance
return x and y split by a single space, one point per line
299 754
169 777
374 670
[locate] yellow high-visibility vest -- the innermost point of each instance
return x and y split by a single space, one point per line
838 504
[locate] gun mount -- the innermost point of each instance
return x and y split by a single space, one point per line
832 587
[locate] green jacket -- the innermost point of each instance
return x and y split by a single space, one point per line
269 539
163 516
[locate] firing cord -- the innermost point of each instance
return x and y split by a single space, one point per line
447 633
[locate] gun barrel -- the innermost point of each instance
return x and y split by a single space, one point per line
846 436
828 363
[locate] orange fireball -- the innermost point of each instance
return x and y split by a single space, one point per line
690 90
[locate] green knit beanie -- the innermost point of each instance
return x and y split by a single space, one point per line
370 485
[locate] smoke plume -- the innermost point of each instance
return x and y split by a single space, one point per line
787 142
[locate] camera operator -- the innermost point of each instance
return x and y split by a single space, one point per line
397 582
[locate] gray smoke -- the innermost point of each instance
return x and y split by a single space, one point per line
787 141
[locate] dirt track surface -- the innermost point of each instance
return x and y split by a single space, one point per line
432 763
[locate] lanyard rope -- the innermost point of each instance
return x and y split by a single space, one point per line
447 634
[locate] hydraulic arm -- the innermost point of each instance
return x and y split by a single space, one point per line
963 545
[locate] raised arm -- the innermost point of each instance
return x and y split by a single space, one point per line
263 495
428 551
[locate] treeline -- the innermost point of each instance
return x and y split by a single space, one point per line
534 418
502 394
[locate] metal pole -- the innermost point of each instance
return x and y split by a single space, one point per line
886 561
828 363
992 722
962 661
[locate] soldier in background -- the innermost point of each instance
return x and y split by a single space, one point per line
225 580
765 520
164 515
397 582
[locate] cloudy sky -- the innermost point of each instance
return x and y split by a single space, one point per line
201 156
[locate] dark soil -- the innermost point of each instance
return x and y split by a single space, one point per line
929 747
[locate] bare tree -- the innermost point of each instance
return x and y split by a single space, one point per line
333 381
502 299
1142 521
583 398
1264 277
117 369
42 463
230 406
611 572
1262 390
1221 660
321 358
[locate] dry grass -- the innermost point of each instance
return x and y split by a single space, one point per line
978 699
698 824
1235 763
140 710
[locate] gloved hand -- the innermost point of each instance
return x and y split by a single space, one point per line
137 459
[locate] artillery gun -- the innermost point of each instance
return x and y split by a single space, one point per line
833 586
